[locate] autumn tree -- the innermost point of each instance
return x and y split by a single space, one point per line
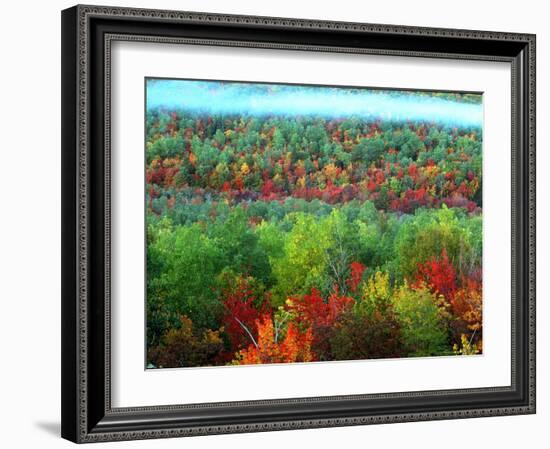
242 308
439 274
268 348
185 346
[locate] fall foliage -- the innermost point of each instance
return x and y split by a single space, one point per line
294 347
276 238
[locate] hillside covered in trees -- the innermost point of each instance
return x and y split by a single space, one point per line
300 236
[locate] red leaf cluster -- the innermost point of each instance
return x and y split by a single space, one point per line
240 312
439 274
356 274
312 310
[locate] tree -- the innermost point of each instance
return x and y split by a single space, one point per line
304 263
356 275
422 316
359 335
311 311
185 346
369 328
342 249
238 246
467 308
439 274
187 280
294 347
427 234
241 310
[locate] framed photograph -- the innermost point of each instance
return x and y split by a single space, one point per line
276 224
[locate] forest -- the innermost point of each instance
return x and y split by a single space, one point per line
303 237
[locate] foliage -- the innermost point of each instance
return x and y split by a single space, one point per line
398 166
312 312
241 310
428 234
295 347
275 239
184 346
439 274
303 263
466 347
356 274
185 286
370 328
422 317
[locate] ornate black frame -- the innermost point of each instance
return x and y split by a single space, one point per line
87 33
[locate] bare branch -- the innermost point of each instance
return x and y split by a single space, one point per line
247 331
279 325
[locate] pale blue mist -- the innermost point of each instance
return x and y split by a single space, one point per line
256 99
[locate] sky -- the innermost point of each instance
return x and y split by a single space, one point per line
260 99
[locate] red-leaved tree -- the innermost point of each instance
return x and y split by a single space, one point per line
356 274
241 310
439 274
313 312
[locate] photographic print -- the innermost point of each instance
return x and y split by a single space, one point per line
303 223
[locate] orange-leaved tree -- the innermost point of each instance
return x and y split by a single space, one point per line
294 347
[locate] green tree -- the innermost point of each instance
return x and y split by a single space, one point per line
304 262
426 234
422 319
